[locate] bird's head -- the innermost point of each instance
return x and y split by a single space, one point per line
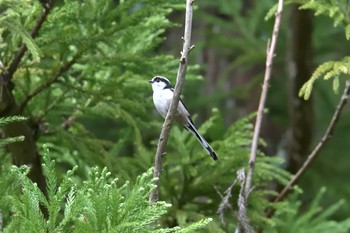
159 83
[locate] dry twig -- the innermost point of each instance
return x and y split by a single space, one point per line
246 183
243 220
269 58
225 202
326 136
163 138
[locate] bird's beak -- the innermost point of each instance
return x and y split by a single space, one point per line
150 81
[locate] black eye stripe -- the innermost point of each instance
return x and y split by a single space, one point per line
158 79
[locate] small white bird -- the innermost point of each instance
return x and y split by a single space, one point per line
162 96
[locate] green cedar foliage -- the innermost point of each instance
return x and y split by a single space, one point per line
13 29
248 48
241 38
327 70
91 60
99 204
235 34
86 75
7 120
338 11
191 179
315 219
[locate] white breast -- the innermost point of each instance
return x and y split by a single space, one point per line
162 100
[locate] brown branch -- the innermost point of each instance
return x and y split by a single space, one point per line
20 53
326 136
47 84
269 58
180 79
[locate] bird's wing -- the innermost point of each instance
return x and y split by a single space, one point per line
182 110
182 115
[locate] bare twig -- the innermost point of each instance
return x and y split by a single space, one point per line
246 183
326 136
47 84
163 138
225 201
242 217
7 76
269 58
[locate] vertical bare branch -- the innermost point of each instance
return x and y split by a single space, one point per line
163 138
243 220
326 136
269 58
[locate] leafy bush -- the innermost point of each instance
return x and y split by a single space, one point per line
99 204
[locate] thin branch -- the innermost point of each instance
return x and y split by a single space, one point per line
242 217
47 84
163 138
7 76
326 136
225 202
269 58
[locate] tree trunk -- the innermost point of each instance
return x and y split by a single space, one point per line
299 68
25 152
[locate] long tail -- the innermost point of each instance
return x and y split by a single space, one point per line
190 127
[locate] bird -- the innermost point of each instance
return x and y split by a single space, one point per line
163 93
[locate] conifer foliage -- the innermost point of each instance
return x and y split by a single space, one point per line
77 71
5 121
100 204
88 59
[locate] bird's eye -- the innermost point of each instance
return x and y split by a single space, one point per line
157 81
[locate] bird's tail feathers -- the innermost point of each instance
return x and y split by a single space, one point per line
190 127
